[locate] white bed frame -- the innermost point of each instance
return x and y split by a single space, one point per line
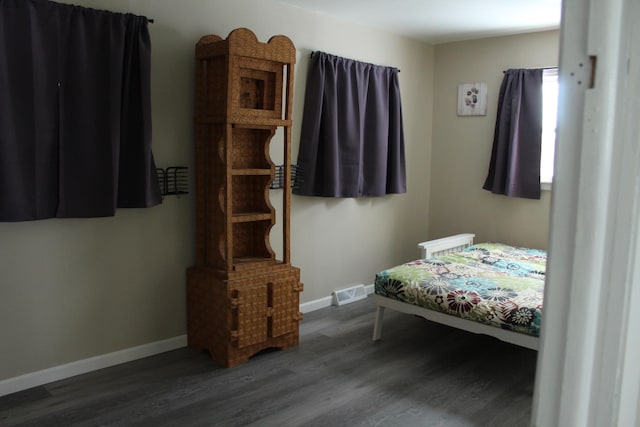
438 247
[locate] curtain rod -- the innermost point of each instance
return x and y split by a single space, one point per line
540 68
364 62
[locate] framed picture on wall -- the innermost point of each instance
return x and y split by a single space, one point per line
472 99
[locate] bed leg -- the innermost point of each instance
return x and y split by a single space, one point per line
377 327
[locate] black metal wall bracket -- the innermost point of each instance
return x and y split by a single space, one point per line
278 180
173 180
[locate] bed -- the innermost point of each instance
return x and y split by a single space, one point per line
485 288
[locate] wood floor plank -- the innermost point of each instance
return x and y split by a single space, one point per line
420 374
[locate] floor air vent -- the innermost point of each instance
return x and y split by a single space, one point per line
351 294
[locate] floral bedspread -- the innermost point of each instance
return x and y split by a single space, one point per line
491 283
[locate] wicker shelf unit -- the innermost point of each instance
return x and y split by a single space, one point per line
241 298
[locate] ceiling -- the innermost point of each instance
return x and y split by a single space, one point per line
442 21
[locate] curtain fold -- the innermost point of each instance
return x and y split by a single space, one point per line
75 125
514 169
352 138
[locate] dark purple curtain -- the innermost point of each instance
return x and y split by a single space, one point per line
352 140
515 158
75 112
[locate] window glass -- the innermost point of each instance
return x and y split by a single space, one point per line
549 120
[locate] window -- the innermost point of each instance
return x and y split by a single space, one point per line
549 120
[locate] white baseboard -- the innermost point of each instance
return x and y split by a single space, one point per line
45 376
317 304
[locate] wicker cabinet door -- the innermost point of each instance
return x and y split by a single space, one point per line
252 315
285 305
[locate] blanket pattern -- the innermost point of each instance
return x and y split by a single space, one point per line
491 283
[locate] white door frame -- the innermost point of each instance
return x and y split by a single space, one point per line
588 364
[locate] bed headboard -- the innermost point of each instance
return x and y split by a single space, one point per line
446 245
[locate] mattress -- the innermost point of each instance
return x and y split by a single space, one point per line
491 283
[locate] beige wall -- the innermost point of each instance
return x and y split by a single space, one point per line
72 289
462 145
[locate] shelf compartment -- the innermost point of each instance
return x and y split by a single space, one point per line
250 147
250 193
251 242
257 88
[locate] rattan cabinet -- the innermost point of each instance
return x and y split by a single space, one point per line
241 298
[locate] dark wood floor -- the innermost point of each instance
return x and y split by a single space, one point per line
420 374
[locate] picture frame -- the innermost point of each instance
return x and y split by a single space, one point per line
472 99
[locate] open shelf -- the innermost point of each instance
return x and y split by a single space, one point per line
250 148
250 193
251 172
250 216
251 240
